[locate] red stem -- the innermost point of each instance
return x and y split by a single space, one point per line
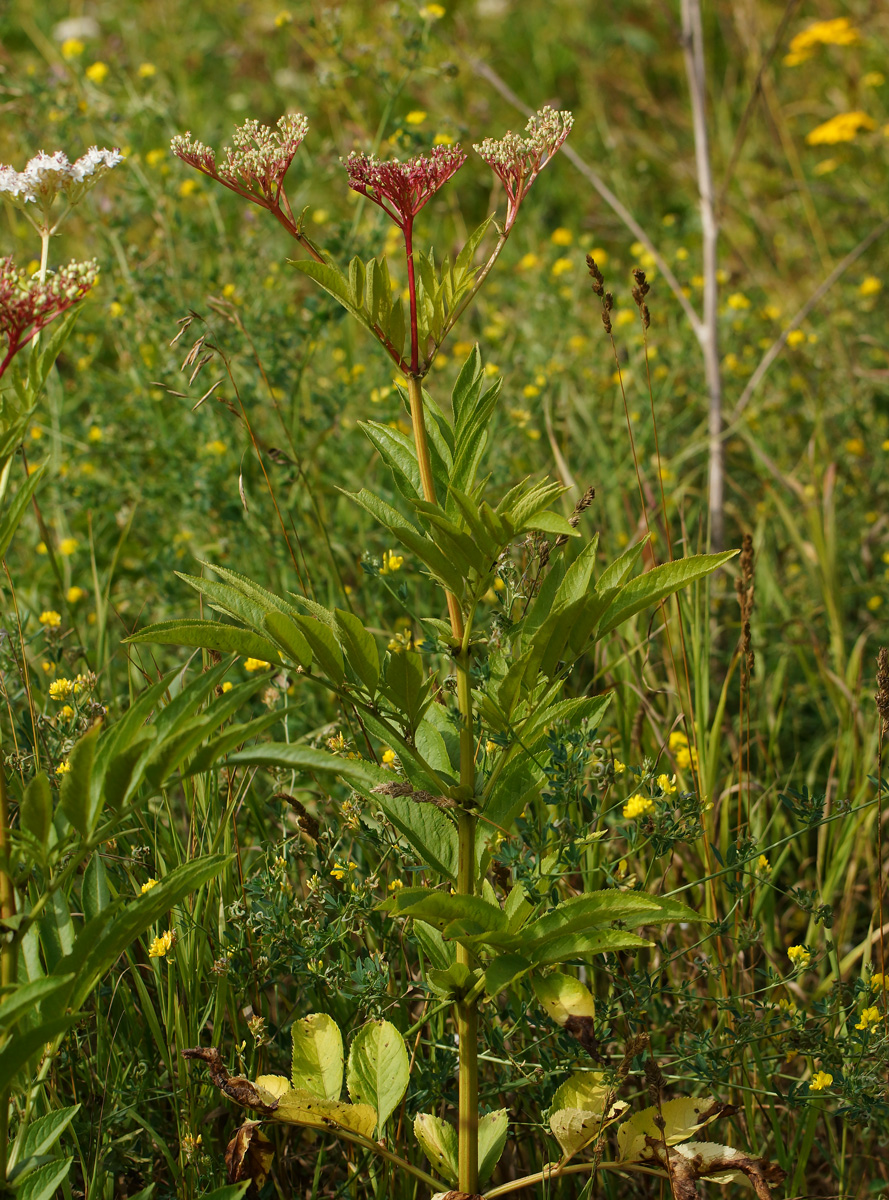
408 231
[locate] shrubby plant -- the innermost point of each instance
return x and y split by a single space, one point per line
457 723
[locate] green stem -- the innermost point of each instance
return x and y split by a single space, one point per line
7 949
556 1170
466 1011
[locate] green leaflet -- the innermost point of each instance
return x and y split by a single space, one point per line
317 1061
655 585
35 811
80 798
19 506
378 1071
41 1135
209 635
44 1181
438 1141
299 1107
443 910
492 1130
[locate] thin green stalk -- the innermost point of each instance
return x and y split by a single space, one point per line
7 950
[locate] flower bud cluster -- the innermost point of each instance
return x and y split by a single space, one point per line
29 305
402 188
517 161
47 176
255 164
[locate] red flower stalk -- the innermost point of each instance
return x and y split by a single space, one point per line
28 305
517 161
254 166
402 188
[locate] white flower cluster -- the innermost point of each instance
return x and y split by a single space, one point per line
48 175
260 154
546 131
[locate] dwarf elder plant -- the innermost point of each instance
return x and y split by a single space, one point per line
467 711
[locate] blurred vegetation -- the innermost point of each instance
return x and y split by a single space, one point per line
145 481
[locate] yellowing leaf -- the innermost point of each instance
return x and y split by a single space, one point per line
564 997
438 1141
586 1090
492 1130
574 1128
273 1085
301 1107
318 1056
681 1118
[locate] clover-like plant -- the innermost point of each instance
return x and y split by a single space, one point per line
470 757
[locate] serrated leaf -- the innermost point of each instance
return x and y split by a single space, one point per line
563 997
317 1062
45 1181
35 811
26 998
299 1107
438 1141
285 632
359 648
587 1090
208 635
41 1135
492 1130
655 585
671 1122
574 1128
378 1071
332 280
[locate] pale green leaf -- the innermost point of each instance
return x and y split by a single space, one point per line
438 1141
492 1129
317 1064
378 1071
681 1118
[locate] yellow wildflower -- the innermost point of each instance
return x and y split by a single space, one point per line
623 316
820 1081
63 768
66 711
738 301
561 237
432 12
256 664
72 48
874 603
619 767
442 139
161 946
188 187
873 79
879 982
227 686
68 545
97 73
796 337
667 784
74 594
396 885
530 390
341 870
95 434
337 742
284 17
391 562
763 865
154 158
387 758
869 286
869 1018
147 886
561 266
416 117
838 31
51 618
637 806
146 70
61 689
844 127
800 956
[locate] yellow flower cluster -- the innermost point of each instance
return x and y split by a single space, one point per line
256 664
800 956
51 618
820 1081
667 784
869 1018
341 870
763 865
844 127
63 768
684 755
161 946
147 886
388 757
637 806
391 562
879 982
61 689
837 32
